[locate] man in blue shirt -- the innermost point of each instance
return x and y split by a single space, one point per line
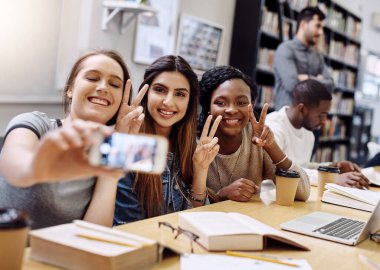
298 59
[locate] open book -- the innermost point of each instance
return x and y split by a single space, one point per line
351 197
232 231
83 245
373 175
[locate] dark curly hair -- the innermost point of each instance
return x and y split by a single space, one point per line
214 77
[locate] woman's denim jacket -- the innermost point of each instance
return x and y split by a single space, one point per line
128 207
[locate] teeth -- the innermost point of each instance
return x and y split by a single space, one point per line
166 112
99 101
230 121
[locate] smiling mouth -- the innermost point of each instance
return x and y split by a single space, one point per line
232 122
166 114
99 101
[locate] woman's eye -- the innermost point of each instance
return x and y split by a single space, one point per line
115 84
219 103
242 103
92 79
181 94
159 89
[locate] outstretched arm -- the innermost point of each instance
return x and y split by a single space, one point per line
25 160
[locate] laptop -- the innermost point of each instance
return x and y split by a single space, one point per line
335 228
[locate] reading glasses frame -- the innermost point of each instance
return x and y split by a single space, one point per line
375 237
177 231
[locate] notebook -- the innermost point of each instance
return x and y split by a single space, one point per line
335 228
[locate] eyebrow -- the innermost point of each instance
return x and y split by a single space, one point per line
176 89
97 71
238 97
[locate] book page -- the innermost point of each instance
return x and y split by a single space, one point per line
255 225
372 175
216 223
224 262
367 196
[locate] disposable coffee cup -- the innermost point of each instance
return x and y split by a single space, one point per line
286 186
326 175
14 227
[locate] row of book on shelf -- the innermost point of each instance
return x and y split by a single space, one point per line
331 154
337 21
269 22
333 128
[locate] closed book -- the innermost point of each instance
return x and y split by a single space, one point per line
218 231
365 200
74 247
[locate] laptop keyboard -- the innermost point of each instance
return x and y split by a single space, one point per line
342 228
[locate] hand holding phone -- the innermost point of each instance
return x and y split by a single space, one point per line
142 153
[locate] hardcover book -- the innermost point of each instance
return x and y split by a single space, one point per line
219 231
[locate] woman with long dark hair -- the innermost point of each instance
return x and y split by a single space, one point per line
170 108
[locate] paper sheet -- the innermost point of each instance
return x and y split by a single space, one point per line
224 262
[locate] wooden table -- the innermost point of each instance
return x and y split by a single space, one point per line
323 255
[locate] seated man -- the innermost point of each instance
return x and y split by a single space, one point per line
293 125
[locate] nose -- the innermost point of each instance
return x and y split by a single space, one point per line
101 86
168 99
231 109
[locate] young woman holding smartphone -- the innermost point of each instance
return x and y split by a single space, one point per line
41 157
170 108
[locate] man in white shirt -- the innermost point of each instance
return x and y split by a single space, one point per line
293 125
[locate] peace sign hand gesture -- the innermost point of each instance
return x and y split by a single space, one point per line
130 117
208 146
262 136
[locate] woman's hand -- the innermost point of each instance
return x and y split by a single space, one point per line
208 146
262 136
62 154
130 117
240 190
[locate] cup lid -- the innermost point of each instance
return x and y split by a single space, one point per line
11 218
328 169
287 173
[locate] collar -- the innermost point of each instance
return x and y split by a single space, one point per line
299 45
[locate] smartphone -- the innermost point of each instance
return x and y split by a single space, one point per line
140 153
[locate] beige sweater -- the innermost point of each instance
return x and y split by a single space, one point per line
250 162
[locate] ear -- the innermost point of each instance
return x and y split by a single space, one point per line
301 108
69 94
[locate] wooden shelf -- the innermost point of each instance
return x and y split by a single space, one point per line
112 7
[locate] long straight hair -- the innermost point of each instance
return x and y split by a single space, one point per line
182 137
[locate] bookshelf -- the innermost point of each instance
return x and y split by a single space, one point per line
260 26
361 134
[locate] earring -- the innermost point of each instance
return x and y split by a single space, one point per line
69 94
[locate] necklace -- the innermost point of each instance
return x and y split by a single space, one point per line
226 169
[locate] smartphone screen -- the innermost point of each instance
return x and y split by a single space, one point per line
131 152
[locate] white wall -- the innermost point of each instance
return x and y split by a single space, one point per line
42 39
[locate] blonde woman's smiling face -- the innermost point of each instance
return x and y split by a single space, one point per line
97 90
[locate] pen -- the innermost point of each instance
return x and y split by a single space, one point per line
259 258
106 240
